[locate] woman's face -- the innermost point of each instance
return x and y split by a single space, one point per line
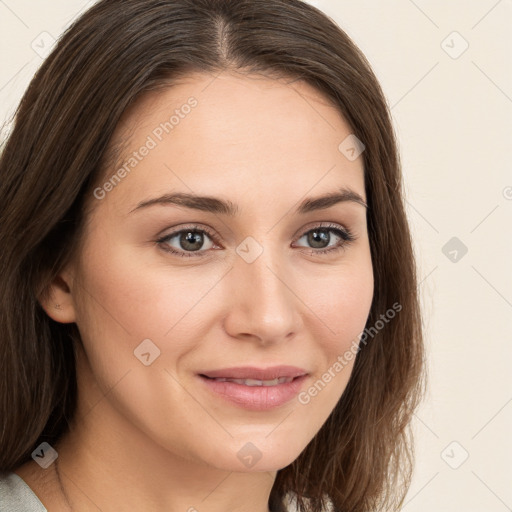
159 310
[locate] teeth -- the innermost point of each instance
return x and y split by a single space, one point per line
256 382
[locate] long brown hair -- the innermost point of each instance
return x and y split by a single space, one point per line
361 459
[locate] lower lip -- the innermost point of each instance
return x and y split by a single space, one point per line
256 398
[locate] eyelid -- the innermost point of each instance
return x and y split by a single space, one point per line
193 227
320 225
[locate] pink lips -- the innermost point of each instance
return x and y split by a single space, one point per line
256 397
251 372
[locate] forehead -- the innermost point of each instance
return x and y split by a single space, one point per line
205 132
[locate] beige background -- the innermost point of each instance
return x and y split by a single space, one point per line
453 113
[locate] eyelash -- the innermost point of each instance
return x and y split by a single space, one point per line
345 234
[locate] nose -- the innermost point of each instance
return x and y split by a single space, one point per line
262 303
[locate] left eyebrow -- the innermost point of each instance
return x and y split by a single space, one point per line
220 206
323 202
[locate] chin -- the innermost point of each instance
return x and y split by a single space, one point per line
259 453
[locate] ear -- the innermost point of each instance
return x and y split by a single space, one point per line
57 300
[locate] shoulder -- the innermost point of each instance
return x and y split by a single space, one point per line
17 496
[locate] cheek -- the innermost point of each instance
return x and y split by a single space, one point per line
340 302
128 298
115 307
340 309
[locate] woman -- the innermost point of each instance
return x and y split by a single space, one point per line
208 288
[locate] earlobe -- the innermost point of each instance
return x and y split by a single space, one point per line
57 301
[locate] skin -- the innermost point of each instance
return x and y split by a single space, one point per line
152 437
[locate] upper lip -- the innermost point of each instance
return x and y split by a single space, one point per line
251 372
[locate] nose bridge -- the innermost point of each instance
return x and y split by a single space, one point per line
263 304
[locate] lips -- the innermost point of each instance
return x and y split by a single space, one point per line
249 373
274 388
255 382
